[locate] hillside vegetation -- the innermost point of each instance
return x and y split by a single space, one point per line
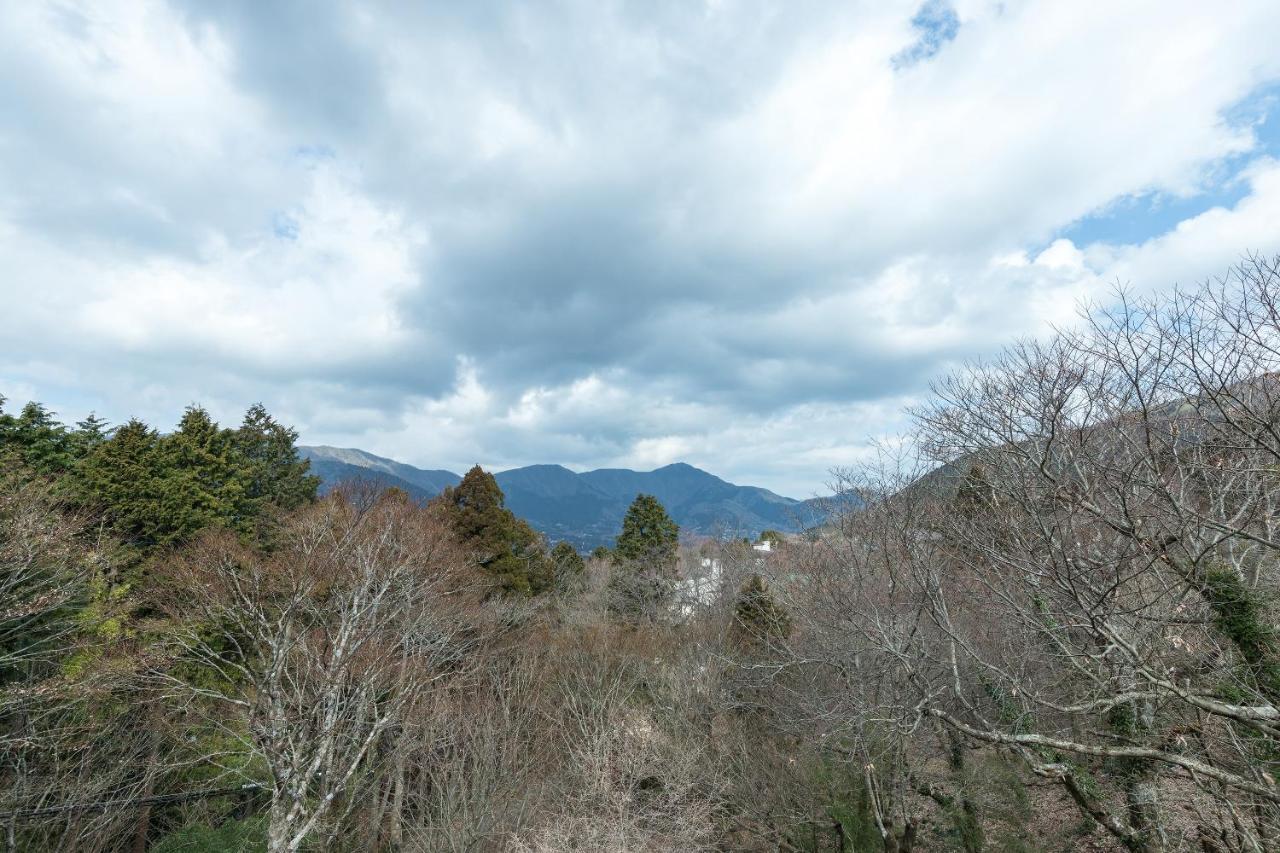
1048 623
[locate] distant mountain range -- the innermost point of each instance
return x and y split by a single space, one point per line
587 509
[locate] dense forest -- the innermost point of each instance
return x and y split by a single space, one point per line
1049 623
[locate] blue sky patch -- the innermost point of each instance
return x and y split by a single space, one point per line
1138 218
936 23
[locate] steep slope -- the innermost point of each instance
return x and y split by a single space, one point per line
332 472
430 482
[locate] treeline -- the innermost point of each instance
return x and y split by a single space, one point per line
197 653
155 490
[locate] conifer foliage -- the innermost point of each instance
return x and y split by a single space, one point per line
648 533
505 546
159 489
759 620
642 583
570 569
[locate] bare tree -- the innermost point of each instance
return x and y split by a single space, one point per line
316 651
1108 505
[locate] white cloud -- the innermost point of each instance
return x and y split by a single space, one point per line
596 234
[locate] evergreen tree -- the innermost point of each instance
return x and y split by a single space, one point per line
89 433
758 619
642 582
39 440
162 489
648 533
771 536
505 546
570 570
122 477
274 475
202 483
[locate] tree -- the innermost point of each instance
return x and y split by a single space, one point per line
89 433
60 743
570 570
40 441
123 477
772 536
648 533
44 573
1093 594
642 582
274 474
361 610
160 490
505 546
759 620
203 480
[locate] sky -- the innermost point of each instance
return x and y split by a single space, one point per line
742 235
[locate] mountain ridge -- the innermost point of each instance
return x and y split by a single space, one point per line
586 508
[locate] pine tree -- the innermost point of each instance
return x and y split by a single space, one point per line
570 570
274 475
642 582
648 534
505 546
39 440
758 619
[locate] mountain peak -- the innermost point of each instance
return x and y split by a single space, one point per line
586 508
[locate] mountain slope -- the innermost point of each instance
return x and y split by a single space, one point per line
332 473
429 481
587 509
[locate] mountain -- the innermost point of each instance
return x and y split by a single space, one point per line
587 509
335 465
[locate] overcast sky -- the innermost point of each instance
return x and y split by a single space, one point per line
741 235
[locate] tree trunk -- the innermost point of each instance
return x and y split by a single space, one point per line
279 827
397 801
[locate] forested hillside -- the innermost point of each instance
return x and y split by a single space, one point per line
1049 624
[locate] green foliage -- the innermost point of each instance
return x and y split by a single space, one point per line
1239 615
570 569
159 490
1008 711
601 553
504 545
272 472
156 489
37 439
847 802
234 836
772 536
89 433
123 477
643 579
648 533
758 619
